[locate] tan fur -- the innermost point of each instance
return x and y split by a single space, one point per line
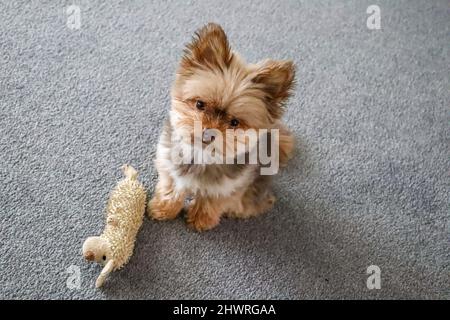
286 146
166 204
250 202
204 213
255 94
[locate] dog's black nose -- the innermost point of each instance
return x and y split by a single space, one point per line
208 135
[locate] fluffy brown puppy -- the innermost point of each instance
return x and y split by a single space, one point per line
215 87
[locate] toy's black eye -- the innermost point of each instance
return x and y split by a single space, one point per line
200 105
234 122
104 257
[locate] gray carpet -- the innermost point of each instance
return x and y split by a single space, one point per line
369 185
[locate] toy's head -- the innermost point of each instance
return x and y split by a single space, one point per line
97 249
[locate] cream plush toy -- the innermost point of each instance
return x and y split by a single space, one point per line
124 215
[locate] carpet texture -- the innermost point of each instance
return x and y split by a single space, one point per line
369 184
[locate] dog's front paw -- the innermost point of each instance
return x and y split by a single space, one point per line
163 209
202 222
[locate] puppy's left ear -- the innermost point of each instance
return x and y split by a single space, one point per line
276 79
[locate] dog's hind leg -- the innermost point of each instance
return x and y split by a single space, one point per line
257 198
286 145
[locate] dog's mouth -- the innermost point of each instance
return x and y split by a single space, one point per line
207 143
197 142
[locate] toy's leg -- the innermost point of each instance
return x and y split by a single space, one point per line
105 272
204 213
166 203
111 220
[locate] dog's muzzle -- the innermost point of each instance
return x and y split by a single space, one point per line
208 135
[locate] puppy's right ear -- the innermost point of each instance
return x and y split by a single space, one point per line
209 49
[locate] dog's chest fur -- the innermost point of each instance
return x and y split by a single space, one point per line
214 180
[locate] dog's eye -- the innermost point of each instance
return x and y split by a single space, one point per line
234 122
104 258
200 105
